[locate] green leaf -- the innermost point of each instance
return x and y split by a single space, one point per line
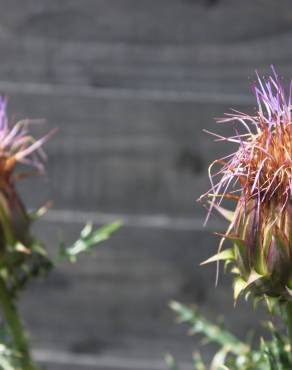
272 303
85 232
228 215
253 277
198 363
5 364
238 287
265 349
9 359
88 240
38 213
289 291
210 331
19 247
225 255
219 359
279 350
37 247
170 362
6 225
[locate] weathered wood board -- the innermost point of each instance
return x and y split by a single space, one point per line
151 21
131 84
154 161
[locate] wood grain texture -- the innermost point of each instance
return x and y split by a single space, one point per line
224 68
124 155
151 21
61 360
131 84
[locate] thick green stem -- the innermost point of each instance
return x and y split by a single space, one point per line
289 324
17 332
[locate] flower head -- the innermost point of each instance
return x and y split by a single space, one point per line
17 145
261 168
20 254
259 177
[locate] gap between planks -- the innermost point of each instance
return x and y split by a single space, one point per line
143 221
123 93
65 358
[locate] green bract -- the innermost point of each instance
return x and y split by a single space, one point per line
260 255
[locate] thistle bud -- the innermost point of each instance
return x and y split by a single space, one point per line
262 251
258 176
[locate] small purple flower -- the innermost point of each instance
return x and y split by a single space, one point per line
17 145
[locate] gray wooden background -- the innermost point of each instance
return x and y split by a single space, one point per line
131 84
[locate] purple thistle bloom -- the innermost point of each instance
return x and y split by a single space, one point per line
261 168
258 176
17 145
21 254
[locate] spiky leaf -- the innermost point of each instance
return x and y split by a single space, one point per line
88 240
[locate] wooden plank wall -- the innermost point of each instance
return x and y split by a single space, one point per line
131 84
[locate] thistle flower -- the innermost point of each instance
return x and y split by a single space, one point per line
17 145
258 176
17 247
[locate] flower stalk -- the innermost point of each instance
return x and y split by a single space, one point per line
289 325
14 324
